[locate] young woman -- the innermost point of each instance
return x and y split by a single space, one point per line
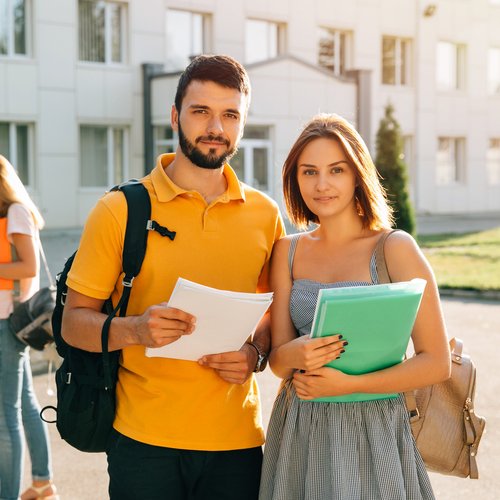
360 450
20 221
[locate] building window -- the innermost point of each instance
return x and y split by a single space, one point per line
493 162
103 156
334 50
396 57
101 31
494 71
187 35
14 27
450 68
16 144
253 162
263 40
450 161
165 140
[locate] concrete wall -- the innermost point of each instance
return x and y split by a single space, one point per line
57 93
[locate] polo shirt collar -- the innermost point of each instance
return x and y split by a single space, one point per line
166 190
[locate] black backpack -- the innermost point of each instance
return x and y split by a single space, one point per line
86 380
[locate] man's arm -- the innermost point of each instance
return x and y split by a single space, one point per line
159 325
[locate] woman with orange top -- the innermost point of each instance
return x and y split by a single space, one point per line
20 222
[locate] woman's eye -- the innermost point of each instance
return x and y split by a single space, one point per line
309 172
337 170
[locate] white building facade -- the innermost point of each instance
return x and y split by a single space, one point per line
86 89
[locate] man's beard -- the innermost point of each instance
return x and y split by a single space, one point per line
211 160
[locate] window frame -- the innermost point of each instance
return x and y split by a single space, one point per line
458 173
403 59
206 36
108 54
164 143
11 54
281 41
494 80
459 84
11 155
339 51
246 146
493 164
109 155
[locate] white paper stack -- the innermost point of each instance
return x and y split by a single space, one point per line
224 320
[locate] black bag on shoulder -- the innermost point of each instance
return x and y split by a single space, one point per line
86 380
30 321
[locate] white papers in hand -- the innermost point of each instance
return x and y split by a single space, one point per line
224 320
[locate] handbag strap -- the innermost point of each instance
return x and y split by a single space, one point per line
45 264
382 272
383 277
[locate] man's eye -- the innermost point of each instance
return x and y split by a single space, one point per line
232 115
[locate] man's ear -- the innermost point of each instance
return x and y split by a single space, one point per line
174 118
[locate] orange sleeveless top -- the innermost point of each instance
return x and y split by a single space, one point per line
5 254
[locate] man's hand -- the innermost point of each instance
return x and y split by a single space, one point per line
160 325
234 367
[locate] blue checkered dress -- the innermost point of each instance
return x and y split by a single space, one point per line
341 451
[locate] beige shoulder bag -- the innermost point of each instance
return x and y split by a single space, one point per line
443 422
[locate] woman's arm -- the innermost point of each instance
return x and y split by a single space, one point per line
289 352
431 363
25 265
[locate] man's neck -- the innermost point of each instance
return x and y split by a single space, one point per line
210 183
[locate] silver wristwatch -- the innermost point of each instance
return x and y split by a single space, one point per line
261 359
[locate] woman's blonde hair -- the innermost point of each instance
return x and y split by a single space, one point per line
12 191
371 199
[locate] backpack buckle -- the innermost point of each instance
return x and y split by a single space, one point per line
128 281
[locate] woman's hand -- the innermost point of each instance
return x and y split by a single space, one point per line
305 353
321 383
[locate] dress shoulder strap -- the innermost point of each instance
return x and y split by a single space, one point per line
294 239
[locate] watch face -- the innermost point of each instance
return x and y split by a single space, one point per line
261 363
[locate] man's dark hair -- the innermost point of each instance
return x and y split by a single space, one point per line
223 70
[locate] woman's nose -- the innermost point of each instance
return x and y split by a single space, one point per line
321 182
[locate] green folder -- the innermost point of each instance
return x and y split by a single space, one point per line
376 320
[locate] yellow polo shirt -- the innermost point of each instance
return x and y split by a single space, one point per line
226 244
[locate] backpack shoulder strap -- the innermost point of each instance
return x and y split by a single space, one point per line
134 249
136 233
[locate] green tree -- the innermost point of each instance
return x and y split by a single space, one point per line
392 168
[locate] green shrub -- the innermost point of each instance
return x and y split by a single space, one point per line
390 164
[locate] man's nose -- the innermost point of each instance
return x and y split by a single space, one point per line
215 126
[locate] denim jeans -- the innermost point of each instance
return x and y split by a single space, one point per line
19 409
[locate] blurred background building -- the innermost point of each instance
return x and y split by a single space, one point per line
86 88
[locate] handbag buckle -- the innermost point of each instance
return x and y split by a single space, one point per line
414 415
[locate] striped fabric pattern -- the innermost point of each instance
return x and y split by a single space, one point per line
341 451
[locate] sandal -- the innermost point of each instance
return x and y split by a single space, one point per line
37 493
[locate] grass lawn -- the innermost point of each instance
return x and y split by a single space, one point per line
469 261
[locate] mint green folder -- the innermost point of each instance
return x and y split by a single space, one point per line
376 320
